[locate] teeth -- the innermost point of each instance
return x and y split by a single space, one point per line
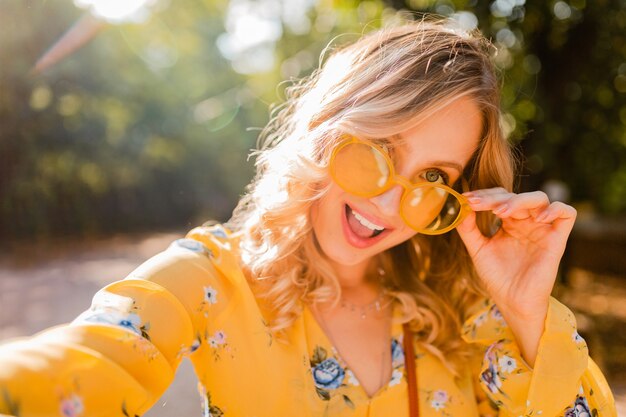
366 222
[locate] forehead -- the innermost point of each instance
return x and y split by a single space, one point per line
451 132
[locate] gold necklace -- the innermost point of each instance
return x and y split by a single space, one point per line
364 309
374 305
385 355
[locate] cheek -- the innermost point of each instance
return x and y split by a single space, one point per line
314 212
324 209
321 216
316 224
403 235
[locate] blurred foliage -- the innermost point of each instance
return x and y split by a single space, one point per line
564 89
149 125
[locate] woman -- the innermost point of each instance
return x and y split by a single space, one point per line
352 264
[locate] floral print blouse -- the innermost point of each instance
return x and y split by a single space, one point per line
192 300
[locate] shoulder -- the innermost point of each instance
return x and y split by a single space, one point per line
204 250
201 270
213 240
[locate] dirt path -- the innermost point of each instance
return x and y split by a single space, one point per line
45 285
59 283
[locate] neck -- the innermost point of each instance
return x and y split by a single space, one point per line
362 293
351 276
360 281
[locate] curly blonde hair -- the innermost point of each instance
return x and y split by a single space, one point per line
376 87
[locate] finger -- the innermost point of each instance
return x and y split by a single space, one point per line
523 205
486 191
564 225
487 199
561 218
470 234
556 211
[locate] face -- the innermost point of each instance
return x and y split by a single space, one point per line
347 227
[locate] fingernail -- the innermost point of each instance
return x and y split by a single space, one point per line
501 209
541 217
474 200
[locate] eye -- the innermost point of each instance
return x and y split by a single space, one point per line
435 175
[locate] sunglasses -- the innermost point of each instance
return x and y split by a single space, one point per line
364 169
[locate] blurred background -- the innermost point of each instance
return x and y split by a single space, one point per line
124 123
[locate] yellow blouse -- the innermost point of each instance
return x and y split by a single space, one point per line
118 357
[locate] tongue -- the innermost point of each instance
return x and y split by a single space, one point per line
356 227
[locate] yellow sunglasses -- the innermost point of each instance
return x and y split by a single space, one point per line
366 170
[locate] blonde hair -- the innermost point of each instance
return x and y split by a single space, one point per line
376 87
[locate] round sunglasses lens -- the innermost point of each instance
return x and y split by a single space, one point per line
430 208
360 169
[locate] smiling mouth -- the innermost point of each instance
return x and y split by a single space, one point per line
360 226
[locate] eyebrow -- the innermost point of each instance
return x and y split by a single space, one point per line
449 164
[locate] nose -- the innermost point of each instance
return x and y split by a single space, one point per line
388 203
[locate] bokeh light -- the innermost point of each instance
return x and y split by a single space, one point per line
118 11
254 27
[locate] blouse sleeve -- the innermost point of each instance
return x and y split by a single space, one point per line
564 382
118 357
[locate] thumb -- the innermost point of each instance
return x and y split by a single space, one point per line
471 234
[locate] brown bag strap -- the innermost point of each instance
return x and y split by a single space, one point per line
409 364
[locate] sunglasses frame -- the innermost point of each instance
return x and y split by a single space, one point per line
405 183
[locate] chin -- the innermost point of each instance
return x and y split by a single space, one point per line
337 249
339 225
348 257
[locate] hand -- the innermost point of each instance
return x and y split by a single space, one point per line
518 265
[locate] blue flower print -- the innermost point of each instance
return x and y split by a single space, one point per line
130 321
396 377
580 408
218 232
328 374
195 346
192 245
210 295
72 406
576 337
507 364
397 353
491 378
438 400
496 314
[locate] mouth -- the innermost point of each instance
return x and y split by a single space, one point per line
360 231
